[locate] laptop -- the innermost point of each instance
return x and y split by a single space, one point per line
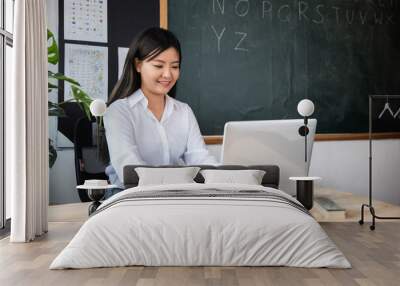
270 142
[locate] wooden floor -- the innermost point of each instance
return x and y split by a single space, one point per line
374 255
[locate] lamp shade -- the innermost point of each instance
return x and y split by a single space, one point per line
305 107
98 107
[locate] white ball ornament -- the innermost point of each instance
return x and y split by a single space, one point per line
98 107
305 107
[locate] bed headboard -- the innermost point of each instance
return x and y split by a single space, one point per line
270 179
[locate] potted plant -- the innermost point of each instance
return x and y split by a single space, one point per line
79 96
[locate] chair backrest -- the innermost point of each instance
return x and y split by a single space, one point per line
87 160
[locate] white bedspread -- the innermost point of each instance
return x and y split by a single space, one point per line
200 231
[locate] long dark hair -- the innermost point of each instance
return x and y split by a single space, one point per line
146 46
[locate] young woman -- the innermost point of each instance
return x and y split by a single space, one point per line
144 124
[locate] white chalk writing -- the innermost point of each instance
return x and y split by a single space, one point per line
378 12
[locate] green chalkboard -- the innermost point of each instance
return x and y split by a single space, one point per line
252 60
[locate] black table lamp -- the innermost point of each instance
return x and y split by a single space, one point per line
305 109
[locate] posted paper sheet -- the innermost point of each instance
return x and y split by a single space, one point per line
122 52
85 20
89 66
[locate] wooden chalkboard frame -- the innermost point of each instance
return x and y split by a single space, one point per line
164 14
217 139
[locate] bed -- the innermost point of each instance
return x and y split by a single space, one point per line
201 224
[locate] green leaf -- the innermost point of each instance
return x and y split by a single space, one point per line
52 49
52 153
55 110
83 99
60 76
51 86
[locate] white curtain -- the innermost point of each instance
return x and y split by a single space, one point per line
27 134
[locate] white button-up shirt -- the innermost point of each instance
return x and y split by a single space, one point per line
136 137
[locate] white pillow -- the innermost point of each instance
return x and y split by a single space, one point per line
164 176
248 177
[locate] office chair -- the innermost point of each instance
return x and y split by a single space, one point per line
88 164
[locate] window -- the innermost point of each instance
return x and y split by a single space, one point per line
9 15
6 45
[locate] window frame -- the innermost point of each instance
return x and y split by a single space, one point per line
6 39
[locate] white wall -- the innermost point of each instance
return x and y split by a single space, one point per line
344 166
62 185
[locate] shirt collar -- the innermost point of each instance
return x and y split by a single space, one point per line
138 96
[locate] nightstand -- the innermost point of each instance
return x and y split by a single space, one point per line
305 190
95 193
